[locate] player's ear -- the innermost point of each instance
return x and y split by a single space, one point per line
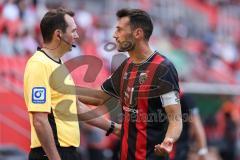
138 33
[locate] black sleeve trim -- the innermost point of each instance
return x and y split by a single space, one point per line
109 93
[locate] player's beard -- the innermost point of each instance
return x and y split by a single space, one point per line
127 45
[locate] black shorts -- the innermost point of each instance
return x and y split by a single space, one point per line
66 153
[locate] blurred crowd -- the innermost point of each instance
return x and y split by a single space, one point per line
211 49
204 47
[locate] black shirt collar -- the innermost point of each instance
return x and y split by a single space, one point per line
40 49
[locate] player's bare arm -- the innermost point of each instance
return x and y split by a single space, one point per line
96 119
92 96
174 129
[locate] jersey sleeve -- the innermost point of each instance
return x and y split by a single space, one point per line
109 88
37 88
167 78
112 85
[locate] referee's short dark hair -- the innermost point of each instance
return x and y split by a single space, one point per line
52 20
138 19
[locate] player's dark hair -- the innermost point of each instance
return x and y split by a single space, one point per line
52 20
138 19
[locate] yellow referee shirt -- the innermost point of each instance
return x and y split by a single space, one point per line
41 97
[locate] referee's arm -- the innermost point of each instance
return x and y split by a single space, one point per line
45 134
36 75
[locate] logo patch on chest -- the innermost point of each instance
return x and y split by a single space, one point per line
142 77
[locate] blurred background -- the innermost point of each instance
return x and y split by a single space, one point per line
201 37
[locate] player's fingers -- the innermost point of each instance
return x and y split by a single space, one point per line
168 149
160 151
158 148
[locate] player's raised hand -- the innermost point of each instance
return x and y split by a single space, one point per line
164 148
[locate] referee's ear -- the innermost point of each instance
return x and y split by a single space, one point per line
57 34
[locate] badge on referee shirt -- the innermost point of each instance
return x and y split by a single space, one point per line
39 95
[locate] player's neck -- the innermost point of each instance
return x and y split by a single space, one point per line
141 53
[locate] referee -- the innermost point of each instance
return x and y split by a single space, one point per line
55 130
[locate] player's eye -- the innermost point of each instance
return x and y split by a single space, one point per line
118 29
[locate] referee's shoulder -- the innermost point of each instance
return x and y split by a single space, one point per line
37 58
36 63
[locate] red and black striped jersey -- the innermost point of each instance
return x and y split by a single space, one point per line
138 87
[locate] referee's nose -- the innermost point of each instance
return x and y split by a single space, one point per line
76 35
